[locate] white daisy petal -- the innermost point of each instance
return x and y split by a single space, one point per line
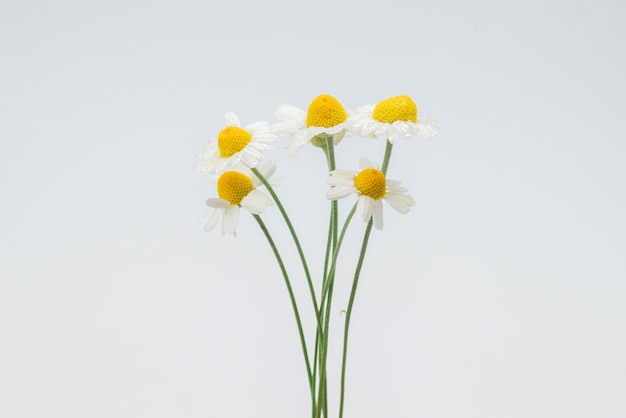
256 202
381 132
260 127
341 178
372 189
298 140
261 140
339 192
427 128
362 112
217 203
400 128
400 202
206 158
292 119
213 219
367 163
339 136
267 169
231 119
365 206
290 113
396 187
377 214
429 121
250 158
211 161
362 123
230 219
324 110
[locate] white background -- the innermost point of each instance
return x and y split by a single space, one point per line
502 294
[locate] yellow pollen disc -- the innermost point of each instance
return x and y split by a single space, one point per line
234 186
231 140
372 183
325 111
401 108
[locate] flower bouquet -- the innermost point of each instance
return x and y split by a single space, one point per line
235 160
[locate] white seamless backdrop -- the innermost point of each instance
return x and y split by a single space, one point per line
501 295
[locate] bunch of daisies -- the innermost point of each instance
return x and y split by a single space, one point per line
235 159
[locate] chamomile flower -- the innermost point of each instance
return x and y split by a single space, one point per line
372 187
325 116
238 189
234 145
392 118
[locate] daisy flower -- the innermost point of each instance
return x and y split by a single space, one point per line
235 145
372 188
325 116
238 189
390 119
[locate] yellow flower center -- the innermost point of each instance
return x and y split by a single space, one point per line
231 140
234 186
372 183
325 111
401 108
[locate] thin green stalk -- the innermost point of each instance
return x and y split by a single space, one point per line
355 282
296 241
294 305
329 152
357 273
327 296
314 378
333 264
319 336
387 157
330 145
331 248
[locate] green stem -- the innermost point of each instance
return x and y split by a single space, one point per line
314 378
331 247
294 305
319 337
355 282
330 145
296 241
387 157
339 242
327 295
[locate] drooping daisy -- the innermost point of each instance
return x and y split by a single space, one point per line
234 145
392 118
235 189
372 188
325 116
